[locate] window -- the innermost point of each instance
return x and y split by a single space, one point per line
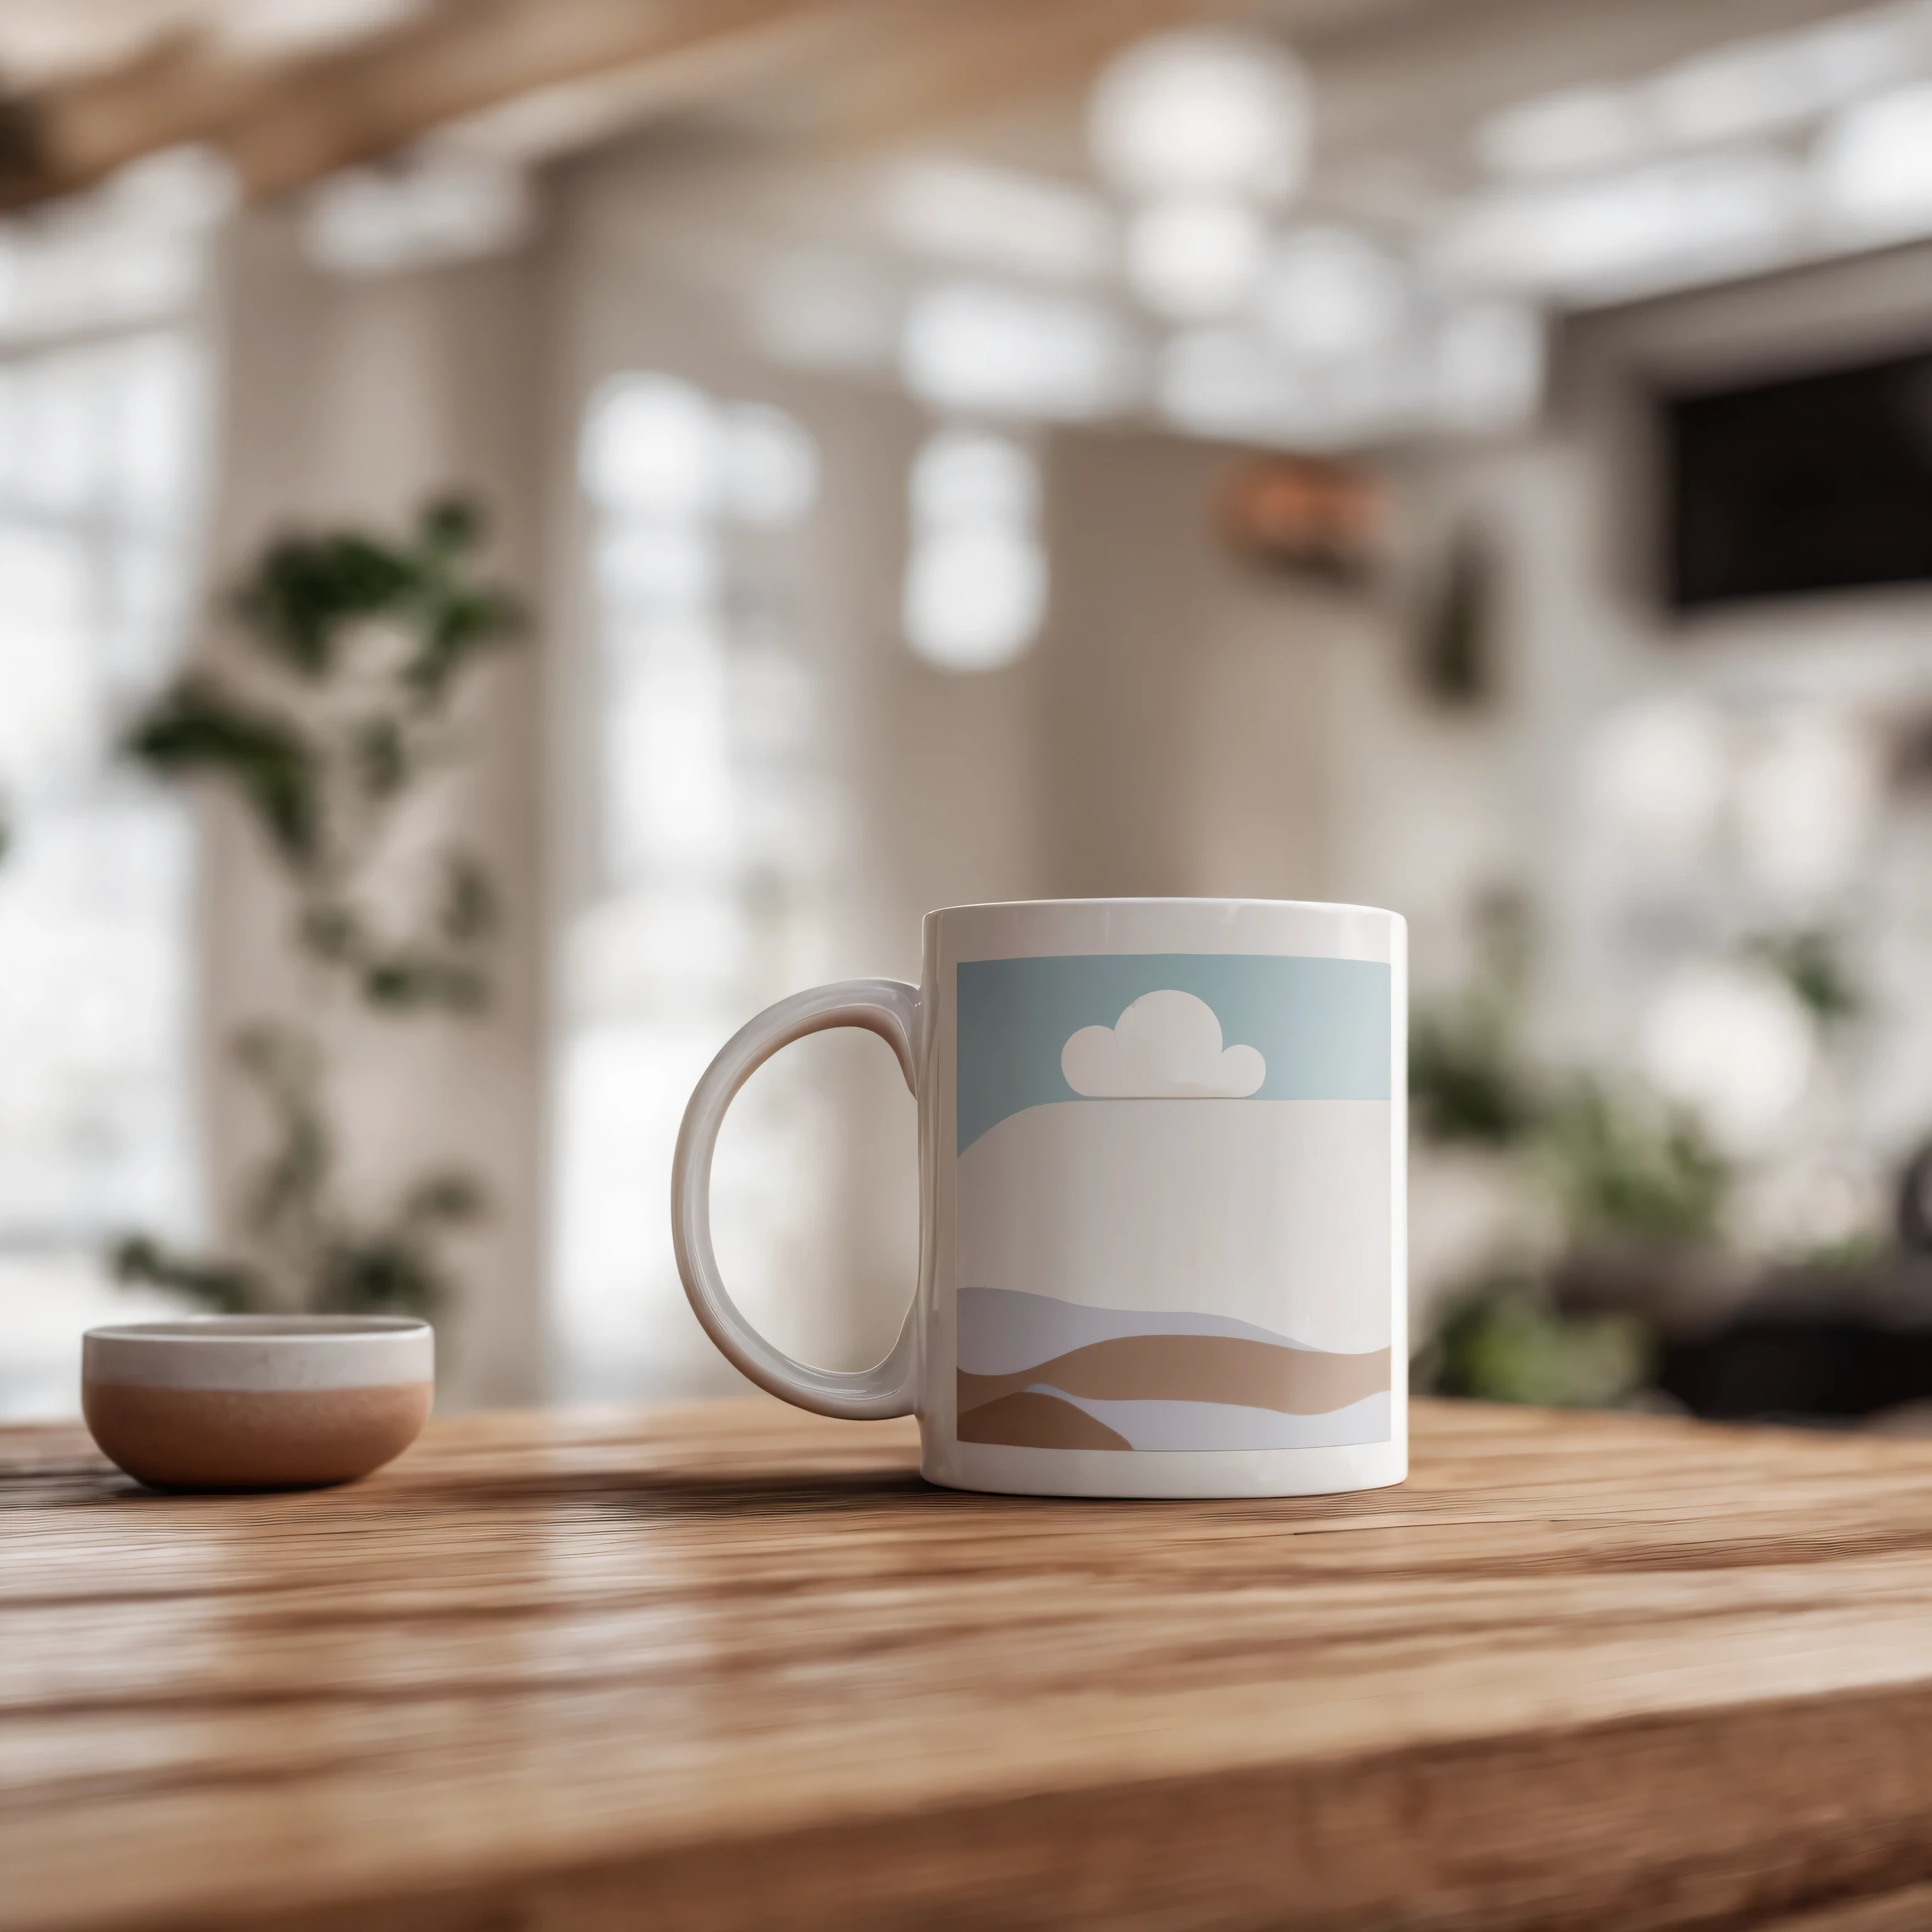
98 458
976 575
708 833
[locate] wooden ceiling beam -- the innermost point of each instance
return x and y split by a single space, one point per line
967 62
464 58
286 122
74 134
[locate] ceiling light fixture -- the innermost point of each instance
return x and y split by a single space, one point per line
1193 259
1765 85
1671 225
1201 112
1223 382
985 345
1778 81
1874 166
1332 294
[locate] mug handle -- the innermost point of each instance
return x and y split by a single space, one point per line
887 1007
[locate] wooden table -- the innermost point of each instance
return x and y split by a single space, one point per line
731 1666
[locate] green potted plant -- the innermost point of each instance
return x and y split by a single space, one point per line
331 696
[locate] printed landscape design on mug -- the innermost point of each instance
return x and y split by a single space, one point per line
1173 1180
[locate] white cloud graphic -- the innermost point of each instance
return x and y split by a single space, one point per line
1166 1045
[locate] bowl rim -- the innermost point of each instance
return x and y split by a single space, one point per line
260 1353
256 1331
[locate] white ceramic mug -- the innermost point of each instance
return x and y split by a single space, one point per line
1162 1157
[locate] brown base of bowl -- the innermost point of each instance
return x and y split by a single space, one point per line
178 1438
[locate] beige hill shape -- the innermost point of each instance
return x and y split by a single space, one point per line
1193 1368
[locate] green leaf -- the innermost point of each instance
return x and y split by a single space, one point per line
451 524
379 747
332 932
448 1198
378 1274
1812 964
1626 1171
229 1287
468 912
461 625
306 590
408 980
196 729
1466 1084
1501 1341
290 1191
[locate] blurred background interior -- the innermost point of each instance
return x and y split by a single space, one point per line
529 529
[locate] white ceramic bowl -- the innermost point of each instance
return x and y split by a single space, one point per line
257 1402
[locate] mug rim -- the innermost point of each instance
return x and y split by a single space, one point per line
1282 905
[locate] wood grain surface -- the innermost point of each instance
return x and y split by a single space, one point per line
731 1666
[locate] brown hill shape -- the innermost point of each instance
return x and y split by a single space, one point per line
1193 1368
1029 1420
